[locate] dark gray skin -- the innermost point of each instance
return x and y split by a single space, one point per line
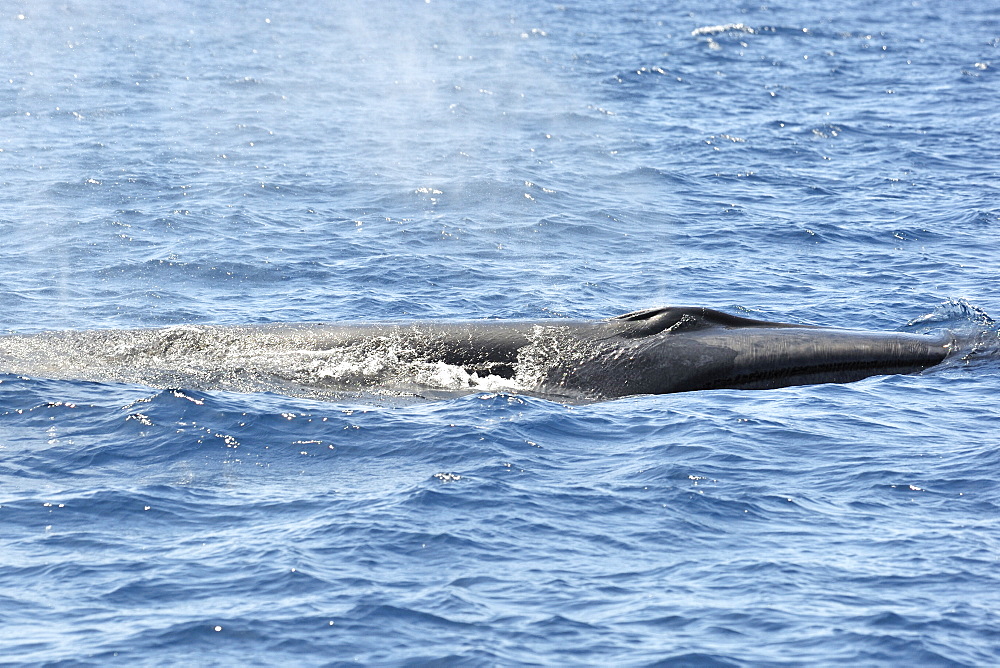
681 349
655 351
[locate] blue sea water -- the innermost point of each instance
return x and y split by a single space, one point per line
228 162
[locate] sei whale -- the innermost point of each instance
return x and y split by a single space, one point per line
653 351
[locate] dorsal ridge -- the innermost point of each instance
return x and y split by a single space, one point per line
647 322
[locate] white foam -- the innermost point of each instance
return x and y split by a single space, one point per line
727 27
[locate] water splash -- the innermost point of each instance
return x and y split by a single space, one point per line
976 334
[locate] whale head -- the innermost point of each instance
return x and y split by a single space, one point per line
678 349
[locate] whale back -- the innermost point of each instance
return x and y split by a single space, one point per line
652 351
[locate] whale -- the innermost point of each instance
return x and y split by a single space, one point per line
660 350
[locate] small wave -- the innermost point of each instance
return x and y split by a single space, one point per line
952 312
975 333
726 27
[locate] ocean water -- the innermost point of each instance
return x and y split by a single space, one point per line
224 162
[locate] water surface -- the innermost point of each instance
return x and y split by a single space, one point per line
198 163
